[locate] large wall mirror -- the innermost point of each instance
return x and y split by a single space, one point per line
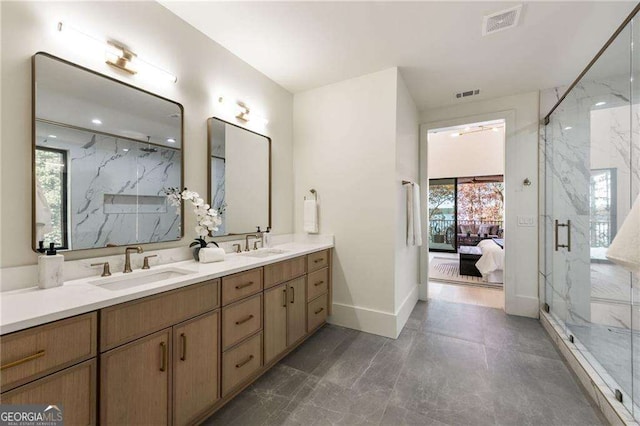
103 154
239 177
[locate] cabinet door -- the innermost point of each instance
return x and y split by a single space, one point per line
134 382
72 389
275 322
296 310
195 367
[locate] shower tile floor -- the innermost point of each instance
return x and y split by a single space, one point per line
453 364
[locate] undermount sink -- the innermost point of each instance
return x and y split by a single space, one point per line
263 252
140 278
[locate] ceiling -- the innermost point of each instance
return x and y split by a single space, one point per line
438 46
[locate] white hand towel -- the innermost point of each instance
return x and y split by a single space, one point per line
211 254
409 194
625 247
417 227
310 216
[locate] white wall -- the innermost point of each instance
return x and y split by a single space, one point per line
521 160
406 258
204 69
473 154
345 148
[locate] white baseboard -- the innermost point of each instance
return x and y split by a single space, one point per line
402 315
372 321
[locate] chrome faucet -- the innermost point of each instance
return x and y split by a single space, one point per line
127 257
246 240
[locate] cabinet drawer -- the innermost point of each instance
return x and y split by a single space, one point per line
240 363
125 322
73 390
317 283
317 260
284 271
27 355
238 286
316 312
241 320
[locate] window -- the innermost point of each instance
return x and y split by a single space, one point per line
51 173
602 190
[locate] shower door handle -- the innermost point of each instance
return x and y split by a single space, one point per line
568 226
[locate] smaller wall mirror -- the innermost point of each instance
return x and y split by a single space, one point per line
239 177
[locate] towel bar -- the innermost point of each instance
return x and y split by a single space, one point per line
404 182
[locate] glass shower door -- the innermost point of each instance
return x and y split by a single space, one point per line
589 184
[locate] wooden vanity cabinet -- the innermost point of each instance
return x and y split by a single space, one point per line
135 380
171 375
284 317
195 367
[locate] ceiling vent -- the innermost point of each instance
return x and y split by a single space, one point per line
467 93
500 21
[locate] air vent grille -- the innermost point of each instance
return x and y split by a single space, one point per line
467 93
501 21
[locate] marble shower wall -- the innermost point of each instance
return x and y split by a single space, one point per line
116 193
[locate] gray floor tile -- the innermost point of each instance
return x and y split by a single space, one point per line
397 416
317 348
452 364
455 320
354 360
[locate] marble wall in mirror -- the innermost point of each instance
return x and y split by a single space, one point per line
239 177
104 153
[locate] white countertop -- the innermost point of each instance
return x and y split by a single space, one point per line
24 308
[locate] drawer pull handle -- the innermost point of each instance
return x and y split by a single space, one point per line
183 356
245 362
318 283
242 321
241 286
319 260
284 297
319 310
293 294
163 356
23 360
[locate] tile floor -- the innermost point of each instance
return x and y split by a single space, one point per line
453 364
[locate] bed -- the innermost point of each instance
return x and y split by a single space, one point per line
491 263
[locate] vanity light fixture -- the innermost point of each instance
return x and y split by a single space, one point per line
242 112
117 55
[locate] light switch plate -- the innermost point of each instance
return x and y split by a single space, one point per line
526 220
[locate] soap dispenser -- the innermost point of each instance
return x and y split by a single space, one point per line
266 237
50 268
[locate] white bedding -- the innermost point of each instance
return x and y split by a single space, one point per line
492 258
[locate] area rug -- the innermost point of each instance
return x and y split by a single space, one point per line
447 270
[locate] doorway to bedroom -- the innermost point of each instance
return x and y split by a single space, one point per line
466 213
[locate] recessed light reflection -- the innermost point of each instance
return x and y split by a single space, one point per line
96 121
52 136
601 103
171 140
568 128
455 135
125 149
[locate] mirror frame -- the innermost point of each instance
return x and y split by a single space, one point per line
230 237
33 145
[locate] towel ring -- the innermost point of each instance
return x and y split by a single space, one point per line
315 194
